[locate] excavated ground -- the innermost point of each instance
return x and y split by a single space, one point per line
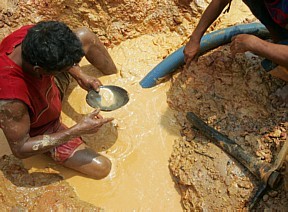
42 191
233 95
236 97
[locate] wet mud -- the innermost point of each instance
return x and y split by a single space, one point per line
38 191
236 97
233 95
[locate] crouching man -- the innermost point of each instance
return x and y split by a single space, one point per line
36 63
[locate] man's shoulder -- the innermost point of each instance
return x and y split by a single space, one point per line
11 105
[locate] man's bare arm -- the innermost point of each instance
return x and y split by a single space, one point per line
211 13
15 123
277 53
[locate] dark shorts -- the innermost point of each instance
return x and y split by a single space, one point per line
260 11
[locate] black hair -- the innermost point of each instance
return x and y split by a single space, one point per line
51 45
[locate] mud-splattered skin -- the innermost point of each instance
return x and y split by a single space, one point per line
11 112
14 117
15 122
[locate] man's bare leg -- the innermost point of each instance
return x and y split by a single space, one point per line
89 162
95 51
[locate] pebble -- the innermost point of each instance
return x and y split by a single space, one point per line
245 185
273 193
276 134
265 198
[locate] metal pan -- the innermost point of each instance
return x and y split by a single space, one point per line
109 97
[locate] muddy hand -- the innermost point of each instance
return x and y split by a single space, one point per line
91 123
242 43
85 81
191 51
89 83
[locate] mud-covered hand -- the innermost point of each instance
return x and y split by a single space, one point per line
85 81
191 51
91 123
243 43
89 82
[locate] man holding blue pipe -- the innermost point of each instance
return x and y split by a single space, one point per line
272 13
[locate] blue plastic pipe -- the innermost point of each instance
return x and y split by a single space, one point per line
208 42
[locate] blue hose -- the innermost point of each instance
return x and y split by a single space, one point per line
208 42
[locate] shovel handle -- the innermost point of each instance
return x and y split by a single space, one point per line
258 168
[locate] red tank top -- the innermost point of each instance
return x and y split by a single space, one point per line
40 95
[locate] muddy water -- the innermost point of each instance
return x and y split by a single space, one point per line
138 142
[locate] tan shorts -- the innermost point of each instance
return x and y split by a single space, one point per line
62 80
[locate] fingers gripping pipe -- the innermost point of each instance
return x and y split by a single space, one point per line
208 42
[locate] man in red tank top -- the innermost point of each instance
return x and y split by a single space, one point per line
36 63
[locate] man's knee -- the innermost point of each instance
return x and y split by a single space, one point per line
103 168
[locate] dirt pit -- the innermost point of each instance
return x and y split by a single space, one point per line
160 162
37 191
236 97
